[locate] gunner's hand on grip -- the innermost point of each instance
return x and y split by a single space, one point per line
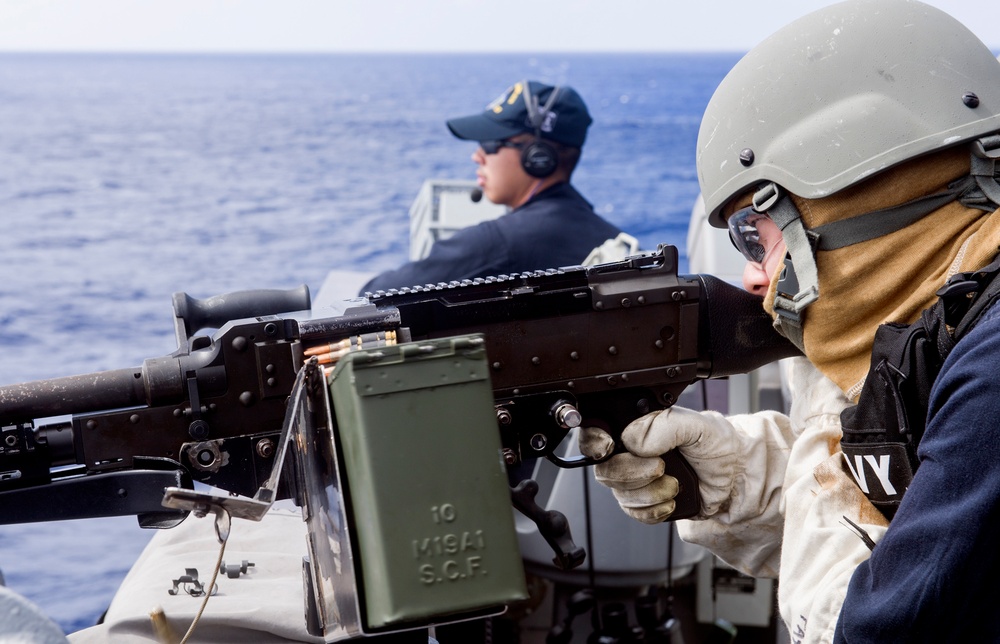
669 458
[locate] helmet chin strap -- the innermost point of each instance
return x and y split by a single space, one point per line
798 285
985 153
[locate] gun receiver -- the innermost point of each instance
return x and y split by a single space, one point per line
570 347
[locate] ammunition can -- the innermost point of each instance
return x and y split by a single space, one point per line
426 483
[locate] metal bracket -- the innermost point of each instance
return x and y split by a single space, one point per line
189 583
201 503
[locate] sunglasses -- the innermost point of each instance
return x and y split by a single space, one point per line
492 147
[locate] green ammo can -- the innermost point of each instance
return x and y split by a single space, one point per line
429 503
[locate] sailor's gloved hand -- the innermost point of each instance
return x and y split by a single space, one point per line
708 441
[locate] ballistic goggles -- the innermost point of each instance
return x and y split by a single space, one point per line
754 234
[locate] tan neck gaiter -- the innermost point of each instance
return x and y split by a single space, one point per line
891 278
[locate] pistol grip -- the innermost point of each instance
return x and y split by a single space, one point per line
688 502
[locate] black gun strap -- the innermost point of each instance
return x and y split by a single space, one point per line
882 432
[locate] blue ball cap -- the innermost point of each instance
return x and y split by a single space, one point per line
566 120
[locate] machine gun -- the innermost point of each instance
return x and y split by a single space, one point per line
595 346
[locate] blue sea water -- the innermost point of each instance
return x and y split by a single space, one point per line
126 178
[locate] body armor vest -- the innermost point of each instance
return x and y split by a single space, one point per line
882 432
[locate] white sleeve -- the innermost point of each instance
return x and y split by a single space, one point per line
748 535
820 551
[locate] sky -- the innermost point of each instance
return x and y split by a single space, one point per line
293 26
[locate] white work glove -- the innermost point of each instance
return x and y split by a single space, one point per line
708 441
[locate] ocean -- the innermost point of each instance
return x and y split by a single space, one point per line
126 178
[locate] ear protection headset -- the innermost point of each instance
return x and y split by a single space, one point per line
539 158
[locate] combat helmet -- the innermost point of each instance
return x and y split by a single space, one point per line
831 100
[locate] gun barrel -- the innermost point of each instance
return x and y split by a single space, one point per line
73 394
